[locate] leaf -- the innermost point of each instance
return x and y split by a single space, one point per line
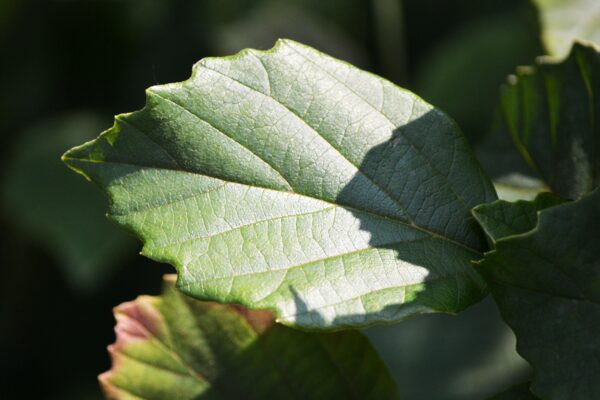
546 283
565 21
502 218
518 392
449 78
176 347
62 213
509 188
291 181
475 359
302 21
550 110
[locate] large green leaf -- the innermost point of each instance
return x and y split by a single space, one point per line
546 282
176 347
551 110
292 181
563 21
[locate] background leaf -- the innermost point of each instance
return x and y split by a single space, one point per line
502 218
550 111
292 181
176 347
519 392
566 21
475 359
547 285
514 187
461 75
65 215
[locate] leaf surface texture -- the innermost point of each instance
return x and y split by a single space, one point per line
292 181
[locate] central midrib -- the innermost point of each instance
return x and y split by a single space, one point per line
349 208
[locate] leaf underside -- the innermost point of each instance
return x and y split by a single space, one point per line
551 110
291 181
176 347
546 282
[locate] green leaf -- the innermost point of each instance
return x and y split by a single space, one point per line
515 186
449 78
550 111
565 21
48 203
502 218
476 357
291 181
518 392
546 283
176 347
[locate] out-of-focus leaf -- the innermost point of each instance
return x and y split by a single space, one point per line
519 392
546 283
176 347
516 186
502 161
476 358
389 28
564 21
463 73
292 181
273 20
7 10
550 111
63 213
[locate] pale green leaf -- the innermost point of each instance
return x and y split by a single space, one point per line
564 21
176 347
551 110
546 283
292 181
516 186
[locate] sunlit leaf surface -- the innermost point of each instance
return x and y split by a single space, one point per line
292 181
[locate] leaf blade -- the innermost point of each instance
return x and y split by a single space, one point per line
565 22
272 179
546 286
173 346
501 218
550 110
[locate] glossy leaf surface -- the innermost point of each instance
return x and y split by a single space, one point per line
292 181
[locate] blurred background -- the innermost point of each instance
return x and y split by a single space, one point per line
70 65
